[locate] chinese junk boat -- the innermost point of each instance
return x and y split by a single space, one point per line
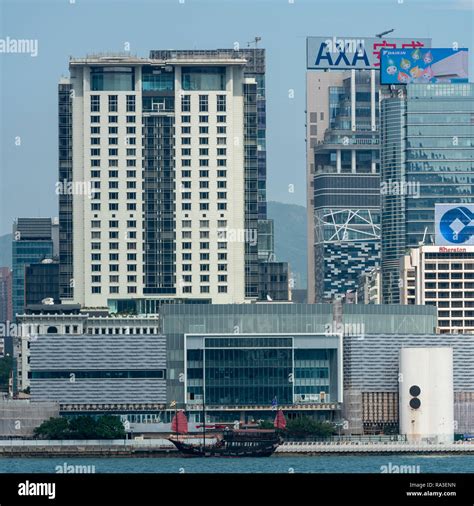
229 443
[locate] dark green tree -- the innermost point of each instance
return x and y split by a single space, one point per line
305 426
110 427
54 428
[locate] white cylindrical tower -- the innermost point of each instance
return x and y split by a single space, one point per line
426 394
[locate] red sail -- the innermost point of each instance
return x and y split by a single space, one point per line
179 424
280 421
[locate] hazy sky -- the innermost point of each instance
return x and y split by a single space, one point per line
63 28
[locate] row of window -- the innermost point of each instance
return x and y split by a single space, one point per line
114 119
113 130
112 103
203 118
203 195
221 103
204 130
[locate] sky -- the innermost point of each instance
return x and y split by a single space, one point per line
64 28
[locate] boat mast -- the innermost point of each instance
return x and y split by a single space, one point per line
204 424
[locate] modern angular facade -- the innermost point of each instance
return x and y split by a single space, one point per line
343 180
172 149
427 158
32 243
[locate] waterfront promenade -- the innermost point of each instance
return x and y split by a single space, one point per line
163 448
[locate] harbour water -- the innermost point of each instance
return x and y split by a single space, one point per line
275 464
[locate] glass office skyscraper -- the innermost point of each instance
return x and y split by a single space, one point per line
427 158
32 243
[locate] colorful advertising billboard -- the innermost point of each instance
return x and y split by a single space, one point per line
454 224
435 65
343 53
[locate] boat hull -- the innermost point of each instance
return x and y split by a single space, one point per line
263 449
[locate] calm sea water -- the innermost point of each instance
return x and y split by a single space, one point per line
274 464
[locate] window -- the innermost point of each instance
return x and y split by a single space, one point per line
113 152
203 119
95 130
186 119
186 130
131 130
130 103
222 163
186 152
221 151
221 119
203 78
221 141
95 119
203 151
222 289
221 103
203 103
221 129
204 140
204 130
113 103
204 163
131 119
203 173
113 119
205 289
186 103
113 130
95 103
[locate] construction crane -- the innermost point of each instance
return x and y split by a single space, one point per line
380 35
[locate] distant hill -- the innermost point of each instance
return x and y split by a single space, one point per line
290 238
6 250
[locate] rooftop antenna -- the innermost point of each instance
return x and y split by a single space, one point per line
380 35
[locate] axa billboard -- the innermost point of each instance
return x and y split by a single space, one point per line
363 53
454 224
436 65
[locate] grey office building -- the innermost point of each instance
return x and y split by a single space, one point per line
371 379
102 370
427 141
239 358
